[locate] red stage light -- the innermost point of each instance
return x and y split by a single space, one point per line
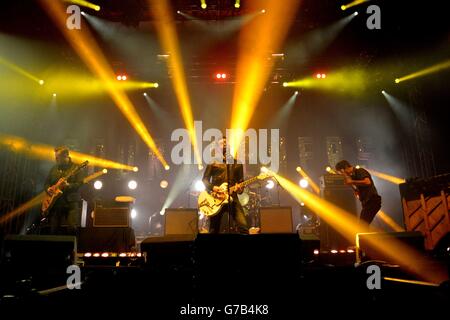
318 76
224 75
119 78
218 75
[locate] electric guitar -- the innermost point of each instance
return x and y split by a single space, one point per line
210 204
54 192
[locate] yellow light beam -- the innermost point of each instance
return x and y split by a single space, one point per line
46 152
383 216
387 177
84 44
203 4
352 4
37 200
258 39
314 185
20 70
424 72
165 26
85 4
348 226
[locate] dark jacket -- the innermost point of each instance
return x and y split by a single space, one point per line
216 174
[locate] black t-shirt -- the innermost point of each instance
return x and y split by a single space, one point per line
365 192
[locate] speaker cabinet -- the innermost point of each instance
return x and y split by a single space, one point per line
276 220
181 221
366 251
111 217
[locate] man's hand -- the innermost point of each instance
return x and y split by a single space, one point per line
347 180
62 183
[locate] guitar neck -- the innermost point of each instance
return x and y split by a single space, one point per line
244 183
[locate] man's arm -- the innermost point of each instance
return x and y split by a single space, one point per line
364 181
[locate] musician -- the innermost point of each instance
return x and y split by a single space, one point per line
217 173
64 217
362 182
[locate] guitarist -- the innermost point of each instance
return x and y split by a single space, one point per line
361 180
64 217
217 173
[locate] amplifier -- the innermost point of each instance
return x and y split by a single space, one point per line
332 181
111 217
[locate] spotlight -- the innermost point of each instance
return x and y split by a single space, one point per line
224 75
156 85
135 169
199 186
97 8
302 204
324 75
83 13
356 13
303 183
162 212
270 184
319 75
343 7
200 167
334 251
397 80
263 11
285 84
133 213
145 94
41 82
132 185
119 78
298 169
124 77
237 5
98 185
383 92
105 171
357 166
163 184
296 92
264 170
54 95
167 167
203 5
328 169
179 12
316 251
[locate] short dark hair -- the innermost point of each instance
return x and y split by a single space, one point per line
63 149
343 164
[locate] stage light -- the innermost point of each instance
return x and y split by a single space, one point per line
105 171
316 252
124 78
324 75
302 204
298 169
162 212
119 78
135 169
357 166
296 92
200 167
132 185
179 12
383 92
429 70
334 251
397 80
88 254
237 4
41 82
96 254
224 75
83 13
156 85
199 186
343 7
387 177
98 185
318 75
105 254
133 213
167 167
163 184
218 75
270 184
263 11
264 170
356 13
328 169
145 94
352 4
203 5
303 183
285 84
54 95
